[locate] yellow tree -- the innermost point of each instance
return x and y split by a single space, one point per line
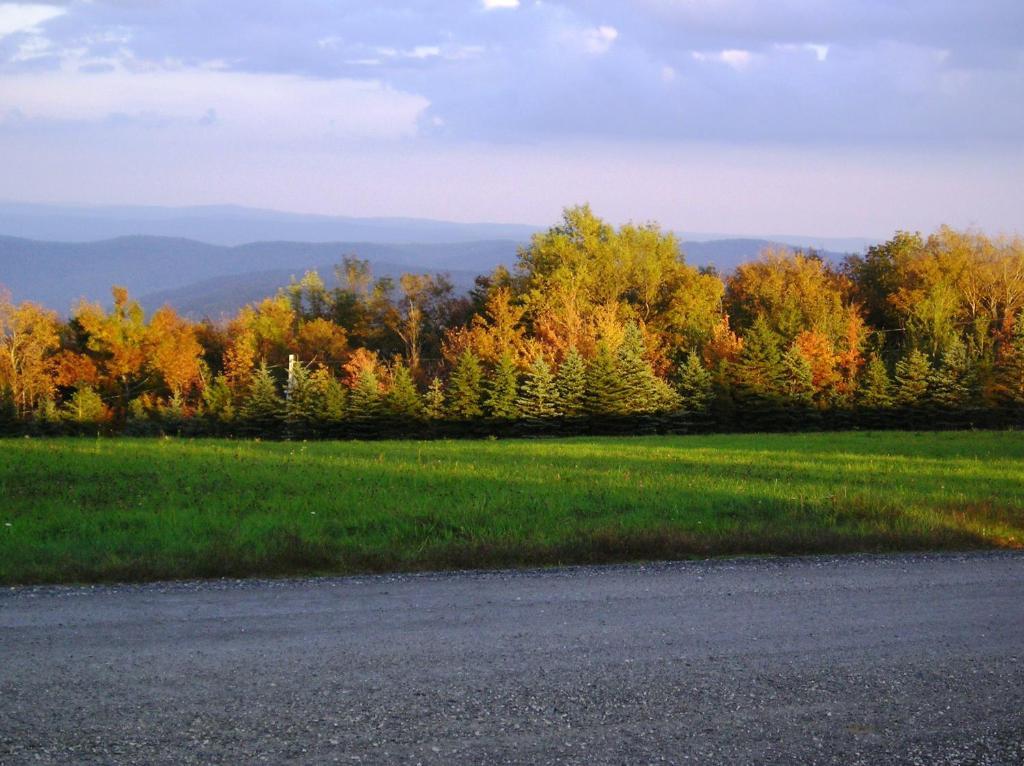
29 336
118 340
173 352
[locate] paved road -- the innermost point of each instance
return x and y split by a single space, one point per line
907 659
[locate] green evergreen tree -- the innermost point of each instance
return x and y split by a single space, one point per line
403 399
502 389
540 396
8 413
304 405
604 392
875 391
949 384
799 380
759 371
85 406
262 408
1010 373
571 383
640 388
218 400
364 400
433 401
913 373
465 388
47 411
335 399
694 382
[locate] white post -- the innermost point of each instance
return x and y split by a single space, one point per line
291 376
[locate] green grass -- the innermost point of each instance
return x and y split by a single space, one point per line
105 509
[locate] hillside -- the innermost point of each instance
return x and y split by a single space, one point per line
208 279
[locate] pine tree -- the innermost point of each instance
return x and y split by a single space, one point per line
799 381
1010 373
540 396
85 406
433 401
262 408
403 399
304 405
333 395
912 375
875 390
604 393
502 389
571 383
694 382
465 388
639 383
364 400
949 382
218 400
759 371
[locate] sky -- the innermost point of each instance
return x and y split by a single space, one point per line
817 117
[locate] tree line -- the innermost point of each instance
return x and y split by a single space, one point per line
595 329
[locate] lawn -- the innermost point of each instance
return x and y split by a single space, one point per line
129 509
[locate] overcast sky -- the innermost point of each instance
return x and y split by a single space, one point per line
822 117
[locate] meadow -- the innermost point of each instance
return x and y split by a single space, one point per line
83 510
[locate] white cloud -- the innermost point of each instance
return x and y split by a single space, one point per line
23 17
491 5
737 59
820 51
274 106
599 39
668 74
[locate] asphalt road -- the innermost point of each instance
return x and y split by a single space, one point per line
872 660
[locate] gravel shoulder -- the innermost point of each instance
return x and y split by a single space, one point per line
830 660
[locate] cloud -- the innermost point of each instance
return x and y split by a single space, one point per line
259 106
737 59
23 17
593 40
492 5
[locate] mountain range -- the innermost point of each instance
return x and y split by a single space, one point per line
49 254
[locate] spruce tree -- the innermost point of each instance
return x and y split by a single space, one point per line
333 396
571 383
218 400
760 372
465 388
403 399
639 383
364 400
694 382
913 373
540 396
1010 374
262 408
949 384
875 391
502 389
799 381
304 405
604 392
433 400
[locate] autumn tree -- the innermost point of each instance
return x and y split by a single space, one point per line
29 339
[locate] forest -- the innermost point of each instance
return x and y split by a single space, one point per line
595 329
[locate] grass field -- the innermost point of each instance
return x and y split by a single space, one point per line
104 509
